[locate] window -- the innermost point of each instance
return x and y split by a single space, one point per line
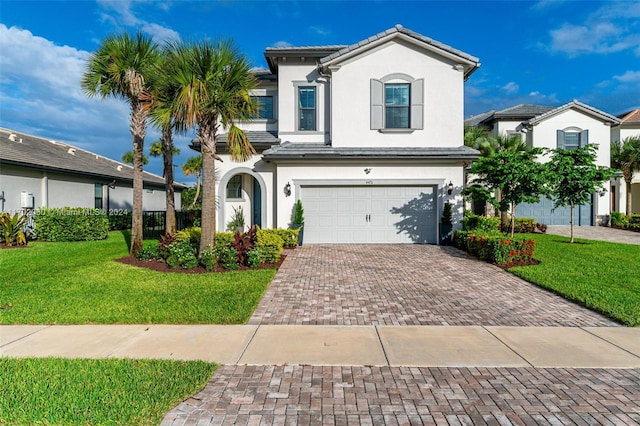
97 196
396 105
234 187
307 108
572 139
265 107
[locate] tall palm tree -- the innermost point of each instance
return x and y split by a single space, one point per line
165 148
214 83
193 166
625 156
121 68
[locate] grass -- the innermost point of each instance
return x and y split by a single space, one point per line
80 283
54 391
600 275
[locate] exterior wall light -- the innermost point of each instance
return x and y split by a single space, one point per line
287 189
367 170
450 188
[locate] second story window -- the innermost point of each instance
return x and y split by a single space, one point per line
396 103
307 108
572 139
264 105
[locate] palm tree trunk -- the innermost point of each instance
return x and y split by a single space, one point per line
628 182
167 156
195 199
208 219
138 123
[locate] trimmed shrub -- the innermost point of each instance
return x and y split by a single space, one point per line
181 255
148 253
619 220
253 258
480 223
494 247
228 257
269 245
525 225
289 236
119 220
224 239
635 219
71 224
191 235
209 259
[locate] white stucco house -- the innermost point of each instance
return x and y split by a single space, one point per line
572 125
629 127
37 172
368 136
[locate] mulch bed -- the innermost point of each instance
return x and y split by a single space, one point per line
156 265
505 267
4 246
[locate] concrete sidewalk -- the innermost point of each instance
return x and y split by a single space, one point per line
424 346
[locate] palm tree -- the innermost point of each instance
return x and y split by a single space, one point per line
625 156
213 82
121 68
167 150
127 158
194 166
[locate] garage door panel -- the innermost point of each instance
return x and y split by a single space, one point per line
369 214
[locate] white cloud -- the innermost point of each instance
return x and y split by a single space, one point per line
614 27
510 88
282 43
628 77
120 14
320 31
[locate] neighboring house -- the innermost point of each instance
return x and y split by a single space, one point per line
629 126
368 136
37 172
569 126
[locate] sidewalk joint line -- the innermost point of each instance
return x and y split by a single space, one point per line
28 335
610 343
384 350
247 345
509 347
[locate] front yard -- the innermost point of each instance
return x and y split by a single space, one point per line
79 283
602 276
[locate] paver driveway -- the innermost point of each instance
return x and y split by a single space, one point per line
407 285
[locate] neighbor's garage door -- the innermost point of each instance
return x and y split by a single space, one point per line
543 212
369 214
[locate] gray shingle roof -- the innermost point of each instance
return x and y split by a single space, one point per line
291 151
31 151
475 120
603 116
400 29
517 112
259 140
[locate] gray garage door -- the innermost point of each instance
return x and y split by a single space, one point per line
369 214
543 212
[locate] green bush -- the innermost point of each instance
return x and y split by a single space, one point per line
148 253
253 258
181 255
224 239
228 257
635 219
209 259
191 235
269 244
71 224
119 220
525 225
289 236
494 247
12 228
619 220
480 223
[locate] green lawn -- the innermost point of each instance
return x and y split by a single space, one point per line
80 283
53 391
602 276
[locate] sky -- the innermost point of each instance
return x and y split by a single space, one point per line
545 52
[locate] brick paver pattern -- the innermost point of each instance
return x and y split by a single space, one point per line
292 395
408 285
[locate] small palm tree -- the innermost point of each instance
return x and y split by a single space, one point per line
127 158
122 68
213 83
193 166
625 156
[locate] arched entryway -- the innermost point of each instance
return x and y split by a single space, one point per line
242 188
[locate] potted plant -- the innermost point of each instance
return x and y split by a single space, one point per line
236 224
298 220
446 224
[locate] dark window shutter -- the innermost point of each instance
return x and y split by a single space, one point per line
584 138
377 104
560 139
417 104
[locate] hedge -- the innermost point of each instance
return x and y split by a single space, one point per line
71 224
494 247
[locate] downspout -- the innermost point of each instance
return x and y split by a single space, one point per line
327 77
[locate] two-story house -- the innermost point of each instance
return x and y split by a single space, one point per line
368 136
569 126
629 127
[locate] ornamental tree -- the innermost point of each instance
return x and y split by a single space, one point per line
575 177
517 176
